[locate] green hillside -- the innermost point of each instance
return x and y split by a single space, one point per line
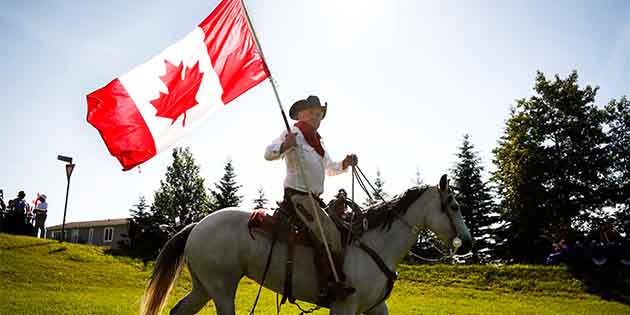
48 277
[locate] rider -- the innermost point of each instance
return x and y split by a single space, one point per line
315 163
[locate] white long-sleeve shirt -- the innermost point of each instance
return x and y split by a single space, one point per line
315 166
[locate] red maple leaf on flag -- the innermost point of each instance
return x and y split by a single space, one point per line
181 91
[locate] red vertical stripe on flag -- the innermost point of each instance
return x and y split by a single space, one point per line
232 49
117 118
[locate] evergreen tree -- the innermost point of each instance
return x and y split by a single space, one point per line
226 193
145 236
378 184
475 200
141 208
261 201
550 162
417 180
181 198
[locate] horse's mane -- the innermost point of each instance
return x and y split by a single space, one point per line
383 214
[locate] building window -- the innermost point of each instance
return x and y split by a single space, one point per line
91 236
74 236
108 235
54 235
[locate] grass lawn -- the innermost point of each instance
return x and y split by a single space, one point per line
48 277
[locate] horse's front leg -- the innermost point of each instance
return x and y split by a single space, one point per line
380 309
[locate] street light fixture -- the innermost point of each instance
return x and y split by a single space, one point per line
69 169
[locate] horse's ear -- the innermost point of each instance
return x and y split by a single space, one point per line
444 183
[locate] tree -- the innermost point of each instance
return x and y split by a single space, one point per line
618 125
261 201
145 236
475 200
379 184
550 162
226 193
417 180
181 198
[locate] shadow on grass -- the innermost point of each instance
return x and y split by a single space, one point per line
58 250
610 281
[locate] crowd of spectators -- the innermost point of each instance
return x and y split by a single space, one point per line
603 246
18 216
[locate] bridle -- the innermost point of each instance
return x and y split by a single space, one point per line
415 229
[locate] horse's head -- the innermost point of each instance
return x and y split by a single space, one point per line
443 217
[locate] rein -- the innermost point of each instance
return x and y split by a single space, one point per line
415 230
264 276
391 275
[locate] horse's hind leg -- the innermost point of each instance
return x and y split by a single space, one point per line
222 290
194 301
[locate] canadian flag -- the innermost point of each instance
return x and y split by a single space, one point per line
146 110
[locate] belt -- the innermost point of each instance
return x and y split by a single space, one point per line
290 191
298 192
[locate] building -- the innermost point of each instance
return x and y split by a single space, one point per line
100 232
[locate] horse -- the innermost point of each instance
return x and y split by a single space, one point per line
219 251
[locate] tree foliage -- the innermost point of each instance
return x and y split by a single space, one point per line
618 124
379 185
145 236
226 190
417 180
181 198
260 202
475 200
551 165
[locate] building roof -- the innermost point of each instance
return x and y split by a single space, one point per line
89 224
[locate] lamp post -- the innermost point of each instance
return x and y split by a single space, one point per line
69 169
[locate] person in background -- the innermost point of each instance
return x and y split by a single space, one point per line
20 207
29 215
3 207
41 212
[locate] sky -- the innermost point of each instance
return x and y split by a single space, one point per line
404 81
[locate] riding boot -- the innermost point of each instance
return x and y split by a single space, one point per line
340 290
324 274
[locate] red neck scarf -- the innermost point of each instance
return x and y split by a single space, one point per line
312 137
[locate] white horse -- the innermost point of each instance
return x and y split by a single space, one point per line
220 251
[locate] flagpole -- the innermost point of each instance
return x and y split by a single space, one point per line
297 152
262 55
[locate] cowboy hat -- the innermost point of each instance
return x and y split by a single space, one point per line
311 101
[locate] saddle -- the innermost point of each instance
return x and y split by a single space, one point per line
280 226
285 226
288 227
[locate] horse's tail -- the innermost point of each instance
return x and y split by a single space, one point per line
167 268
